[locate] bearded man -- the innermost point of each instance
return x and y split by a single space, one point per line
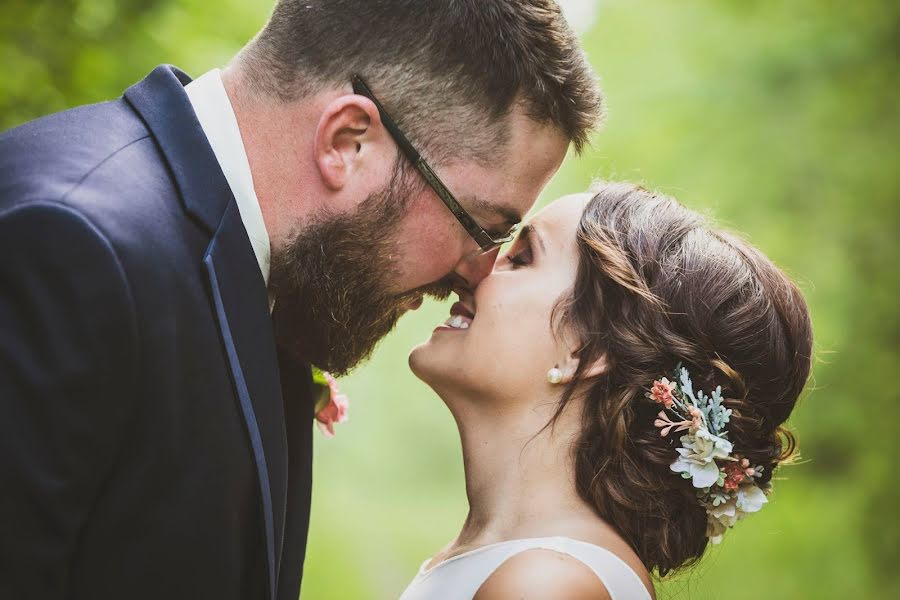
174 261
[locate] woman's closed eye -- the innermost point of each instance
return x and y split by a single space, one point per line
520 254
521 258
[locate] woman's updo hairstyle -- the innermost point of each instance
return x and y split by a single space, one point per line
656 286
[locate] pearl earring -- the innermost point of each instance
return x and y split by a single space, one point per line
554 375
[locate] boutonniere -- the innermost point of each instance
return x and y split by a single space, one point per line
331 404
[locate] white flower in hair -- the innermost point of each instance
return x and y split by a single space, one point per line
697 455
746 499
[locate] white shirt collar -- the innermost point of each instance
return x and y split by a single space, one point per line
213 108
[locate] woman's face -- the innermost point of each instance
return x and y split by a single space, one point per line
499 342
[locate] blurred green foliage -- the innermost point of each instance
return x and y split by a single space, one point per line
779 117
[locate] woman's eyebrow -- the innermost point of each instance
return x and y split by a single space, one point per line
531 231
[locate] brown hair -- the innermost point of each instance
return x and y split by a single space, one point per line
657 286
448 70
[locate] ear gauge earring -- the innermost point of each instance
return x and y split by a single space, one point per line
554 375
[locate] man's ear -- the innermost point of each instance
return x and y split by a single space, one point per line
571 363
346 125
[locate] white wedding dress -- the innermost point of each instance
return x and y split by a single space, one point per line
460 577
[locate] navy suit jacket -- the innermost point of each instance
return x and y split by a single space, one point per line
150 444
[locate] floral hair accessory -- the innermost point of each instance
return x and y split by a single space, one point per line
332 405
725 482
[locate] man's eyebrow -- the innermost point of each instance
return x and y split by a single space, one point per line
507 213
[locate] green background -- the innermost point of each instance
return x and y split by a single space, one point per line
778 117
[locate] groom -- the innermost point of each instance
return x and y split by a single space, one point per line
173 261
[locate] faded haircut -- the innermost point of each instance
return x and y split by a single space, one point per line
449 71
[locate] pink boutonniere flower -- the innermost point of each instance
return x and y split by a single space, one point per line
332 405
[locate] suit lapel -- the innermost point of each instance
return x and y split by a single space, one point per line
237 290
299 410
162 103
246 327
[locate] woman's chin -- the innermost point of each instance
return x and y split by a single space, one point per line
421 360
433 360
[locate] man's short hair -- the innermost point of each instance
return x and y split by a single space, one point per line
449 71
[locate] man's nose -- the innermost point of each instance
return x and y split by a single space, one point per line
475 267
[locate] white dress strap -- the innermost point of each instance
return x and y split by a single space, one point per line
460 577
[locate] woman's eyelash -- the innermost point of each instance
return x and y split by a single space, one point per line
523 257
518 259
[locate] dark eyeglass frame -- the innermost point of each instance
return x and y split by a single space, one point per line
485 240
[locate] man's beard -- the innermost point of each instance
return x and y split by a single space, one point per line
331 283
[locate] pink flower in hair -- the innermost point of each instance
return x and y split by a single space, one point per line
737 472
661 392
666 424
696 417
748 470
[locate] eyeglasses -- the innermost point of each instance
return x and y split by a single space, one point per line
485 240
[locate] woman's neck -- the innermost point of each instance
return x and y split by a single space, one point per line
519 484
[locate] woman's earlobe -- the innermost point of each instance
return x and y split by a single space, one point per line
571 364
599 367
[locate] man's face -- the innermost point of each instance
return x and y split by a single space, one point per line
431 243
343 282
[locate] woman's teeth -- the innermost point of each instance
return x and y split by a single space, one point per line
457 322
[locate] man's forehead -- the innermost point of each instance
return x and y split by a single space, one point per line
510 189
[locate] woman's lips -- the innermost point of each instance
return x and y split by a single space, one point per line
462 310
460 319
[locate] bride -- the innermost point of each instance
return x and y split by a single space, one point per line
619 383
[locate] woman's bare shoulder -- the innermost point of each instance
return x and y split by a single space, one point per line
540 574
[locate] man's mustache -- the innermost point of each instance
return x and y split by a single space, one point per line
439 290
